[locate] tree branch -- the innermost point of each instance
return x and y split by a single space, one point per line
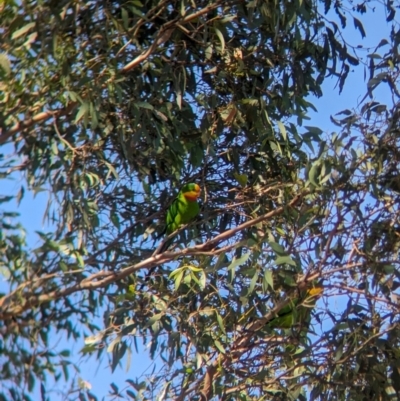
11 307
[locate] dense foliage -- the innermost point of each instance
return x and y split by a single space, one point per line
110 106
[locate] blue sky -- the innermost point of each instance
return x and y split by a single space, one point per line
32 207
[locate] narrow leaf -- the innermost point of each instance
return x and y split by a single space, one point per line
221 39
358 25
23 30
5 64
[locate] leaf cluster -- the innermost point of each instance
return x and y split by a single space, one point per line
109 107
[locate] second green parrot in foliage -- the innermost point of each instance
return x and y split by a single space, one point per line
298 312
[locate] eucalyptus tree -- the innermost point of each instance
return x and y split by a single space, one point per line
110 107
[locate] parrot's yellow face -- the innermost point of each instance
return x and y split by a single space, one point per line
191 192
315 291
313 294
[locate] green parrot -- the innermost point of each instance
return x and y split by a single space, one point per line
296 316
184 208
298 312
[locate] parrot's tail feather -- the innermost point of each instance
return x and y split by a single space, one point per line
162 233
159 250
165 246
147 278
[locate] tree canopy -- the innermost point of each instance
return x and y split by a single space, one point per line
110 107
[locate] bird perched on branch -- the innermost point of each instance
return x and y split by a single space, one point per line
184 208
298 312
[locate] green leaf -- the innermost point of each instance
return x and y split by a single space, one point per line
277 248
237 262
202 281
82 113
346 112
22 31
282 129
383 42
144 105
221 39
136 10
219 346
253 282
314 174
93 116
111 170
268 280
281 260
389 269
178 276
125 18
241 179
114 388
5 64
220 323
208 52
358 25
154 319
